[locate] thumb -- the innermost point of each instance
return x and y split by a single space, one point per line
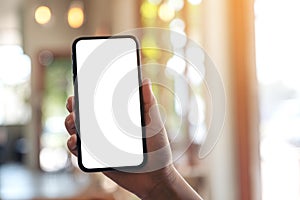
152 116
148 96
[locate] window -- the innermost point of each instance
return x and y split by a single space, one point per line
15 69
278 69
57 87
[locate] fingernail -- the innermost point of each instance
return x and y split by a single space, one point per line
147 81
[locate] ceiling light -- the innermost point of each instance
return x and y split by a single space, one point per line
76 15
42 15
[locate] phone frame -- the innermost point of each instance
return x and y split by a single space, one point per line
76 98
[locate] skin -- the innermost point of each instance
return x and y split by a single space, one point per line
162 183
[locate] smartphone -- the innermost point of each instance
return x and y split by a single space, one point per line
108 103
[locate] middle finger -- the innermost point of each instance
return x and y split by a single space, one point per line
70 123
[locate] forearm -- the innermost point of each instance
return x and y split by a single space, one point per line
175 188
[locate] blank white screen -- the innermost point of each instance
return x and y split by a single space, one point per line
108 79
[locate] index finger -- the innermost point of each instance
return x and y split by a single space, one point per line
70 103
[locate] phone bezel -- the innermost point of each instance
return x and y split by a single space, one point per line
77 114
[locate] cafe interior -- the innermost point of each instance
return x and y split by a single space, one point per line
232 119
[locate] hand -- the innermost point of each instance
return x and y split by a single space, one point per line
146 184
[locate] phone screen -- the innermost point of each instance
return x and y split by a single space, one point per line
108 103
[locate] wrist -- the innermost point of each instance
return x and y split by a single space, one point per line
173 187
164 187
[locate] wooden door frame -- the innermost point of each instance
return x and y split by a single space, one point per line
245 99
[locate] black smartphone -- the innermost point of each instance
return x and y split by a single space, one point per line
108 103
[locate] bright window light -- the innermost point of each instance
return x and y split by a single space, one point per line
15 70
278 69
15 66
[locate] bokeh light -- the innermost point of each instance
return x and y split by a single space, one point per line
177 25
195 2
42 15
176 4
149 48
53 159
156 2
75 17
176 64
166 12
194 75
148 10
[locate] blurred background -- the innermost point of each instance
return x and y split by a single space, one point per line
253 45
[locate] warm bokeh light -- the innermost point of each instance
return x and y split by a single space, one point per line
195 2
75 17
42 15
149 48
166 12
176 4
156 2
148 10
